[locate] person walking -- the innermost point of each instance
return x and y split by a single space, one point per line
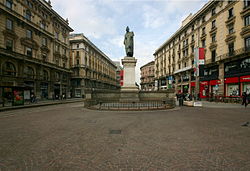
244 99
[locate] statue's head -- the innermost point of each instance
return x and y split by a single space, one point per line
127 29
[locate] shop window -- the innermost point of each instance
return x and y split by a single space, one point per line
28 15
29 72
245 63
247 20
29 34
9 4
28 51
9 44
230 13
246 3
9 69
231 67
9 24
233 90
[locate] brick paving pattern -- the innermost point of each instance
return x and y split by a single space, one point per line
69 137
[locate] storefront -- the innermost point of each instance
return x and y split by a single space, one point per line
214 87
44 90
185 88
245 84
204 89
232 87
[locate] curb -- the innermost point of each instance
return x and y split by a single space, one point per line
39 105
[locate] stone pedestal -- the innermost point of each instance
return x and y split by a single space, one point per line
129 91
129 64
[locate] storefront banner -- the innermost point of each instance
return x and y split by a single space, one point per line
231 80
245 78
214 82
201 56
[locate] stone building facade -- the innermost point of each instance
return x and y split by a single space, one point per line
91 68
34 51
222 28
147 77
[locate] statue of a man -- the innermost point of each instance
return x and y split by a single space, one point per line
129 42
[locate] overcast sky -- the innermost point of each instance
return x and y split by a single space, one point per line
104 23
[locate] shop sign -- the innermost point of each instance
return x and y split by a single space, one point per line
245 78
232 80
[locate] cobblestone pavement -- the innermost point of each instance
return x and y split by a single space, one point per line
69 137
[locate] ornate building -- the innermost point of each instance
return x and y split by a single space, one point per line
222 28
34 51
147 76
91 67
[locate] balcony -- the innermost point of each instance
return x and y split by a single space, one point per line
245 31
231 20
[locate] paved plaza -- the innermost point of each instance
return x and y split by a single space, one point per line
70 137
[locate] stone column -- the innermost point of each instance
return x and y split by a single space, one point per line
221 78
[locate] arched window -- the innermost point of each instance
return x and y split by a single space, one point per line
29 72
9 69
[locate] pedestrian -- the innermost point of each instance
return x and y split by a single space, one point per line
181 97
244 99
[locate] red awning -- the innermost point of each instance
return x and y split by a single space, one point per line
231 80
245 78
215 82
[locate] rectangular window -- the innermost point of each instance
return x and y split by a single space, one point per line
57 35
29 34
42 25
204 30
9 4
192 38
247 43
230 13
9 24
230 28
203 19
203 42
213 55
9 44
213 24
28 15
246 3
28 51
44 41
77 54
247 20
213 38
213 11
231 49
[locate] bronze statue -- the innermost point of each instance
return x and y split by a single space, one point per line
129 42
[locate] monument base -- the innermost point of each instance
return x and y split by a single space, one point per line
129 96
